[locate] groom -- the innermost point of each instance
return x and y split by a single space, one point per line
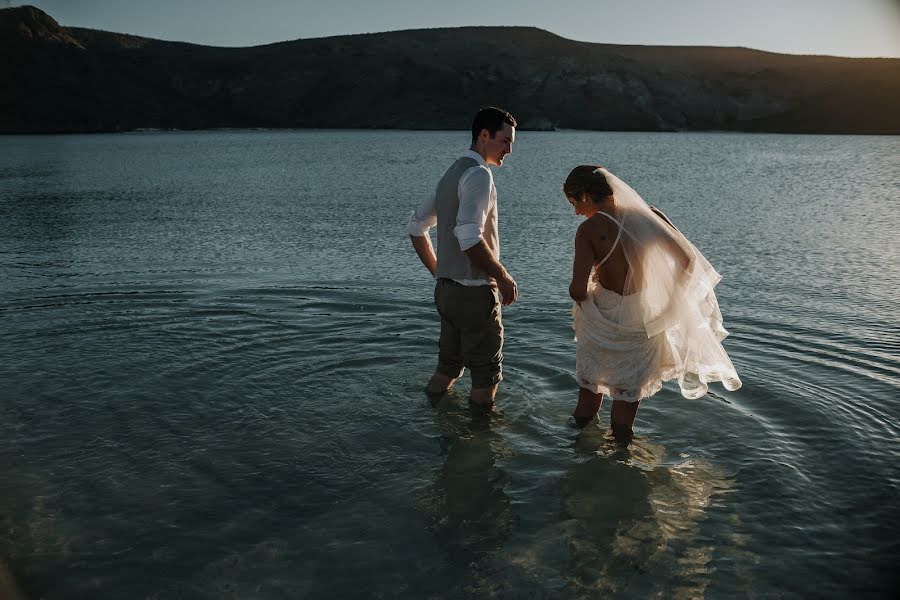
467 266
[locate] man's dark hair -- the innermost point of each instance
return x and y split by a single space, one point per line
492 119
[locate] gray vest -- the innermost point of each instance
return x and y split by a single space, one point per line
452 262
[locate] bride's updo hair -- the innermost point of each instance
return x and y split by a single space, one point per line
583 180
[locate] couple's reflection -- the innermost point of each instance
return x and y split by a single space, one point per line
632 523
605 514
471 515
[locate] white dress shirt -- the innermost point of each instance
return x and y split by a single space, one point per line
477 195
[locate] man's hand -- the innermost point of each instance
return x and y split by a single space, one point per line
483 259
508 290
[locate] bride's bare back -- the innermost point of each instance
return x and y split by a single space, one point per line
597 248
612 272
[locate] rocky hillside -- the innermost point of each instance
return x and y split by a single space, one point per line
66 79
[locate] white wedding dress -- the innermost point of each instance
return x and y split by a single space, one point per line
666 325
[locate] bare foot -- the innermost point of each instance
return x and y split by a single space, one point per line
622 433
481 409
483 397
439 384
621 419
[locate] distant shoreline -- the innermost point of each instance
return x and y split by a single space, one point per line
58 80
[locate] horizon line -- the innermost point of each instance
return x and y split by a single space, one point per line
450 27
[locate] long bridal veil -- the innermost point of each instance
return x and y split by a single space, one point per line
669 292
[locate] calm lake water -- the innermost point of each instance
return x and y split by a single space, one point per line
215 346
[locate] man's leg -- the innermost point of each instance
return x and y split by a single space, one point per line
483 396
450 358
439 383
587 408
482 345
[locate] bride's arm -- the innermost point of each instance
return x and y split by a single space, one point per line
581 267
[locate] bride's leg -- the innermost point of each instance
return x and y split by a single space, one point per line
622 418
588 406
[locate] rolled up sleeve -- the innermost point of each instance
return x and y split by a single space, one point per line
422 219
474 202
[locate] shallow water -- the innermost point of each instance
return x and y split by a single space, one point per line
215 346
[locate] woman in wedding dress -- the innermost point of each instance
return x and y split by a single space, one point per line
645 311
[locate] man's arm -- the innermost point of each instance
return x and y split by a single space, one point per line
422 245
482 258
474 203
420 221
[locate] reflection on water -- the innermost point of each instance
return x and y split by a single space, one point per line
629 523
680 497
31 529
471 516
606 516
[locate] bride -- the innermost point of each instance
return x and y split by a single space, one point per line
645 311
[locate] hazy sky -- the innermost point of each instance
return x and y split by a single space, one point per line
838 27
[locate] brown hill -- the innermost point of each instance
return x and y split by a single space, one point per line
65 79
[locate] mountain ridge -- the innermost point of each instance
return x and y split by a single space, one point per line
69 79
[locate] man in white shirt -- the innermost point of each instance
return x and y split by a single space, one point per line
467 265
